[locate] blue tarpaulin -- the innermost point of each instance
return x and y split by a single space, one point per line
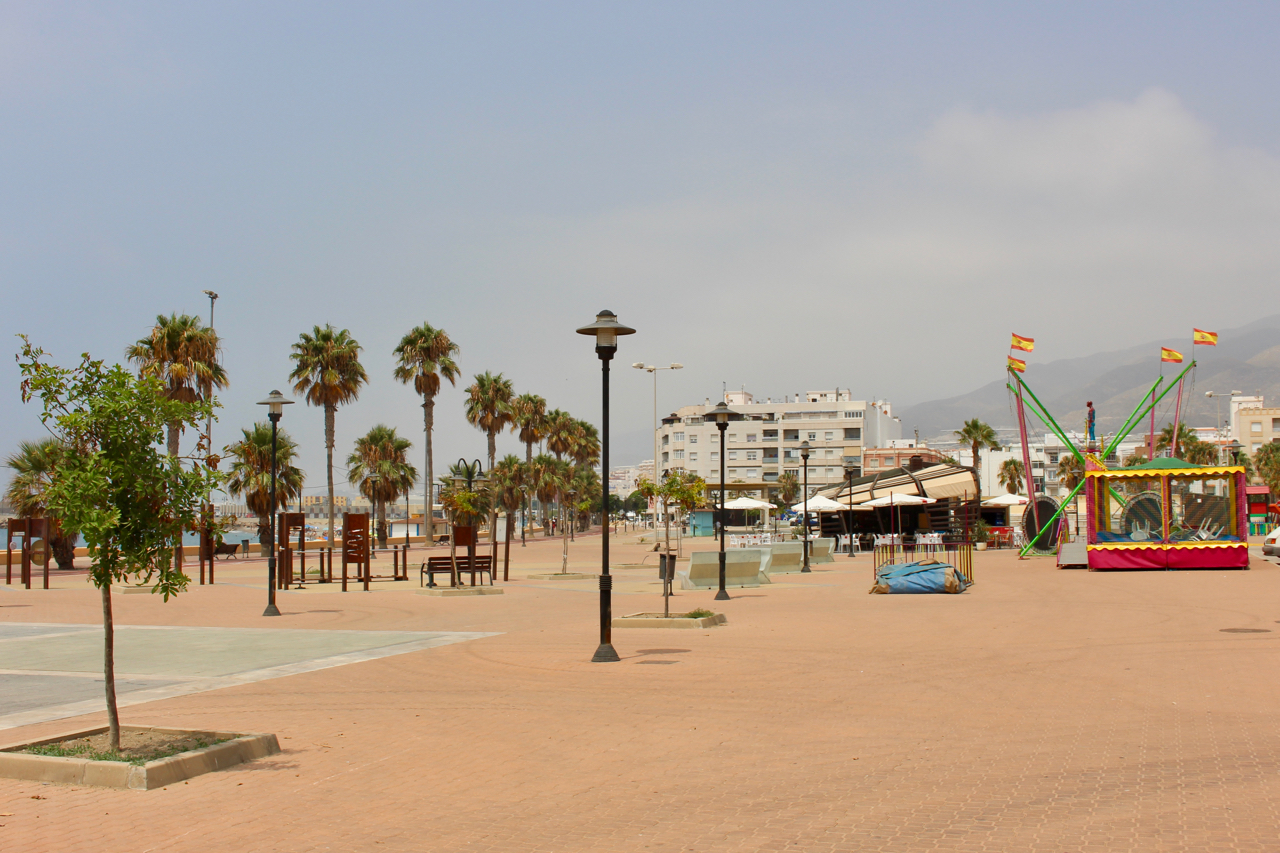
919 578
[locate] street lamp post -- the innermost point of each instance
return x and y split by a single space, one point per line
208 432
640 365
721 414
564 533
804 521
605 330
275 404
849 470
1222 432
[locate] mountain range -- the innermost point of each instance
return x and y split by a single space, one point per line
1246 359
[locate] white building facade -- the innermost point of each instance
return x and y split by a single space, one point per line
763 441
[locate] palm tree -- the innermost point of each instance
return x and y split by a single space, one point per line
1010 476
508 475
1267 462
530 414
1186 438
1199 452
425 357
1070 471
489 409
547 479
583 480
379 467
559 432
978 435
184 355
33 469
789 487
251 474
327 370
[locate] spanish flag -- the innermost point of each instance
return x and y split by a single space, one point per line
1024 344
1017 364
1173 355
1200 336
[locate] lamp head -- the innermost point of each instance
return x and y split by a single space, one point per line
675 365
721 414
638 365
804 450
606 330
211 294
275 402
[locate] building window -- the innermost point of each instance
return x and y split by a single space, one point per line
693 438
791 435
753 473
679 436
665 460
693 457
715 457
752 455
828 436
733 436
853 433
873 463
771 435
679 454
813 436
1255 428
853 414
733 455
666 439
751 436
1275 424
1053 459
1257 445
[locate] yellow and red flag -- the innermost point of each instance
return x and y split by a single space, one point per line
1017 364
1173 355
1200 336
1024 344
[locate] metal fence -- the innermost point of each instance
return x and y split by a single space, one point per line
956 554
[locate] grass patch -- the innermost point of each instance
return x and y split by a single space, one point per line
88 751
700 613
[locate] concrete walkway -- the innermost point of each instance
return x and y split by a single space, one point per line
1042 710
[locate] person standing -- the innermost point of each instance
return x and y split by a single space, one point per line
1092 419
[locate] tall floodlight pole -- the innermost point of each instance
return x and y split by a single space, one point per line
721 414
640 365
208 431
275 404
605 330
849 470
804 521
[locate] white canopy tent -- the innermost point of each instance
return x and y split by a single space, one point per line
1007 500
819 503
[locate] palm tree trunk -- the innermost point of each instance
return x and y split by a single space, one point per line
493 507
329 411
428 417
174 437
382 522
506 551
109 669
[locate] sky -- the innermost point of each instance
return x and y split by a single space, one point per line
782 197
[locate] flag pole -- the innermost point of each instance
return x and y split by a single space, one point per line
1027 477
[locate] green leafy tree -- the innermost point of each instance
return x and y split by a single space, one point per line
636 502
328 372
425 356
33 468
115 483
488 409
184 355
1011 476
379 467
250 474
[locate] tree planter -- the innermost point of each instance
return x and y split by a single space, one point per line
980 546
235 748
657 620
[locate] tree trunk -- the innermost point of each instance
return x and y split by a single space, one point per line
109 669
506 552
174 436
64 551
264 534
329 411
493 507
382 523
429 417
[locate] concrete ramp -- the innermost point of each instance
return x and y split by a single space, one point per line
1073 555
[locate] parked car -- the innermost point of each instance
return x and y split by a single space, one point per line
1271 545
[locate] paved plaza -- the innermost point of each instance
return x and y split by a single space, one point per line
1042 710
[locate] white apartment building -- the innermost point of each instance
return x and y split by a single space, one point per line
1252 424
764 439
622 481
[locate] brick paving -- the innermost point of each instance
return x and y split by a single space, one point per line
1040 711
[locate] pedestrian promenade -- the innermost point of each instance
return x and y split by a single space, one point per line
1042 710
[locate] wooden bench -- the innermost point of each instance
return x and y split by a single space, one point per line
444 566
226 549
742 567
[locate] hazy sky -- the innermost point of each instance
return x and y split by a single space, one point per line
784 196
